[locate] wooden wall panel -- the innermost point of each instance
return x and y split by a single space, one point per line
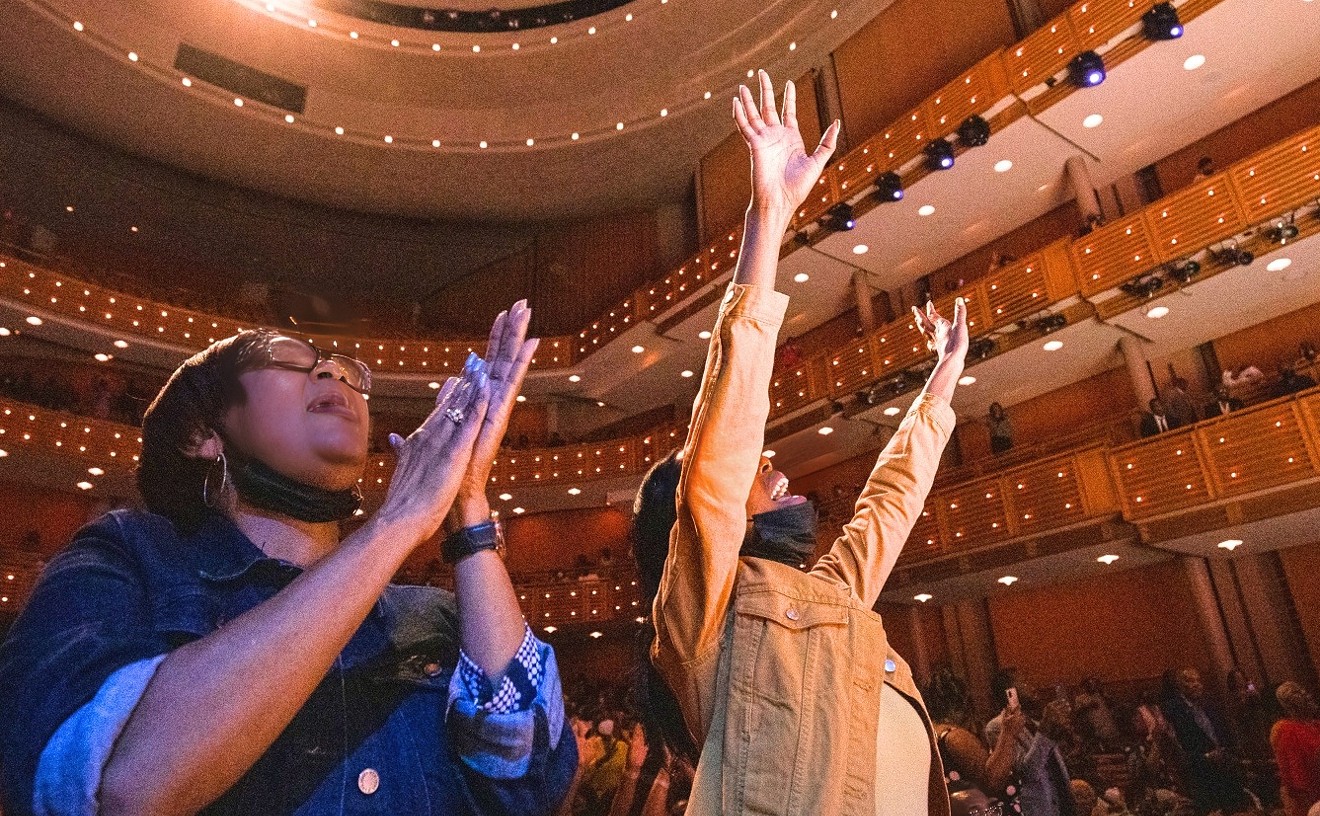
1300 566
56 516
1256 131
549 541
909 51
1124 625
1267 344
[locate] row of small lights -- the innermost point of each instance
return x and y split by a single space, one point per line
436 143
1108 560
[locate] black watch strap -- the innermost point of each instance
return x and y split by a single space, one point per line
474 539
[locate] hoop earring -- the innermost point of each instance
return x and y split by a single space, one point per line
224 479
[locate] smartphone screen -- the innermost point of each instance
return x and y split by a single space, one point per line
1012 696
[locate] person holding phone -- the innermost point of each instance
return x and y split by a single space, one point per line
784 675
228 651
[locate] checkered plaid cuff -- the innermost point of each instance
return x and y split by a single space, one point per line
516 689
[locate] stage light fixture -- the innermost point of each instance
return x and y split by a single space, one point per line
1087 69
1051 323
1143 286
1184 271
1162 23
840 217
974 131
1284 231
939 155
981 348
1232 254
889 187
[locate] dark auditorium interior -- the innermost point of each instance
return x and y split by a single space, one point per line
1125 210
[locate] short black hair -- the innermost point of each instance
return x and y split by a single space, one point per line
654 515
191 406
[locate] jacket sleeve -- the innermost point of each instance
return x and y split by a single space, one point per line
720 460
890 504
71 671
514 747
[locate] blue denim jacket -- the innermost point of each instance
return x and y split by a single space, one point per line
129 589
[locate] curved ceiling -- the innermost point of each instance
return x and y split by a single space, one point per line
645 88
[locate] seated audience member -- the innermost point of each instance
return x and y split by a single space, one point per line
1224 403
1158 419
789 354
965 759
1179 402
1213 774
1290 382
1041 775
1309 353
1001 429
1205 168
1115 803
1095 718
1296 743
1086 800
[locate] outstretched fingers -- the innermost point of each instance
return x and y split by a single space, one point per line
829 140
754 119
790 105
768 112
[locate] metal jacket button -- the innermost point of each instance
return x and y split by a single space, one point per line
792 614
369 781
890 666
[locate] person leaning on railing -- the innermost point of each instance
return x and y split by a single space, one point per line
228 652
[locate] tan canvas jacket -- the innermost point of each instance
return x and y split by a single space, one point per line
806 656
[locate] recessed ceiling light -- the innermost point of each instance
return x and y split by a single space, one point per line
288 117
825 431
132 229
132 56
1107 559
518 511
353 35
3 453
767 453
389 140
84 485
591 30
1092 121
1008 580
238 102
1156 312
433 385
576 136
516 46
892 410
476 49
1003 166
1279 264
967 380
687 372
339 131
1194 61
861 249
394 43
923 597
597 635
926 209
574 378
435 46
96 471
550 630
102 357
600 404
522 398
618 126
664 112
792 46
435 143
187 82
531 142
4 331
554 40
1231 544
1053 345
705 335
801 277
638 349
707 95
506 496
574 491
33 320
77 26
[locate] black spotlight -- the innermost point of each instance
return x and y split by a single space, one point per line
1087 69
889 187
1232 255
939 155
1162 23
1051 323
1184 271
1143 286
1284 231
840 217
981 348
974 132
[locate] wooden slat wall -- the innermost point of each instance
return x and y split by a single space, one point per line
1271 343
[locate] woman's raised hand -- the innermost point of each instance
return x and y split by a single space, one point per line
948 339
783 173
508 355
433 461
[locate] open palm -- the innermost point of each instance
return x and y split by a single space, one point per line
783 173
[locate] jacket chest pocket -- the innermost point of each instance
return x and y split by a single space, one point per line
781 645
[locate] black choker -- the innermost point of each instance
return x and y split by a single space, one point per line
265 488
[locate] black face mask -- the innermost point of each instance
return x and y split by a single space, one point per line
787 536
265 488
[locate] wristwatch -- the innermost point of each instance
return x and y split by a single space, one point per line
489 535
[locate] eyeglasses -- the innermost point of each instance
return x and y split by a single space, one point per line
295 355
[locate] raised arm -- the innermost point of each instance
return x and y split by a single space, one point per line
723 448
890 504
